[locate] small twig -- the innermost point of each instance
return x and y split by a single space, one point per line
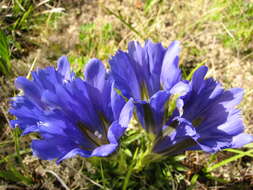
32 66
20 6
89 179
119 16
247 56
54 10
228 32
58 178
42 3
10 187
248 93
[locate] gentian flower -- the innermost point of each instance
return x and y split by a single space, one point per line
151 76
182 115
72 116
210 120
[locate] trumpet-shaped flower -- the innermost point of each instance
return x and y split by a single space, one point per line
210 120
72 116
150 75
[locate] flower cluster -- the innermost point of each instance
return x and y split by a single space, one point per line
87 117
71 115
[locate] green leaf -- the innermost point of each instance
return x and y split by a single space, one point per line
194 179
15 176
189 77
226 161
4 54
149 4
133 138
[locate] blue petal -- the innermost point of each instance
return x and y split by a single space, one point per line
201 98
215 144
145 115
117 103
231 98
181 88
104 150
51 149
94 73
155 53
50 98
198 77
231 124
179 140
29 88
115 132
47 78
74 152
122 72
138 60
158 104
147 63
241 140
170 73
63 67
126 113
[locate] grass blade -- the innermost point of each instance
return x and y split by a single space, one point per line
231 159
5 65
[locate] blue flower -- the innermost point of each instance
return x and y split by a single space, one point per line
182 115
151 76
209 121
72 116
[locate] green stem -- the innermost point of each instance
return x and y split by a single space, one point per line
119 16
233 158
5 159
130 170
102 173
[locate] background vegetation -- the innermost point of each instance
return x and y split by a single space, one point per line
33 34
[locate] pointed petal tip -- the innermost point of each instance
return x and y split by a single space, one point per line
202 69
176 43
241 140
104 150
126 113
171 65
62 63
20 82
92 65
95 73
63 67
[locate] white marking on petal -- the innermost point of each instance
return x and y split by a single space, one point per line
44 124
97 134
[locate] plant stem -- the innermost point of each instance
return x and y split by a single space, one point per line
130 171
102 173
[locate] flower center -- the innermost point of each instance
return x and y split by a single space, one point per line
95 137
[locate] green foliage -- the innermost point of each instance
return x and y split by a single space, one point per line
236 20
149 4
78 63
5 53
21 20
239 154
123 20
12 168
15 176
94 41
